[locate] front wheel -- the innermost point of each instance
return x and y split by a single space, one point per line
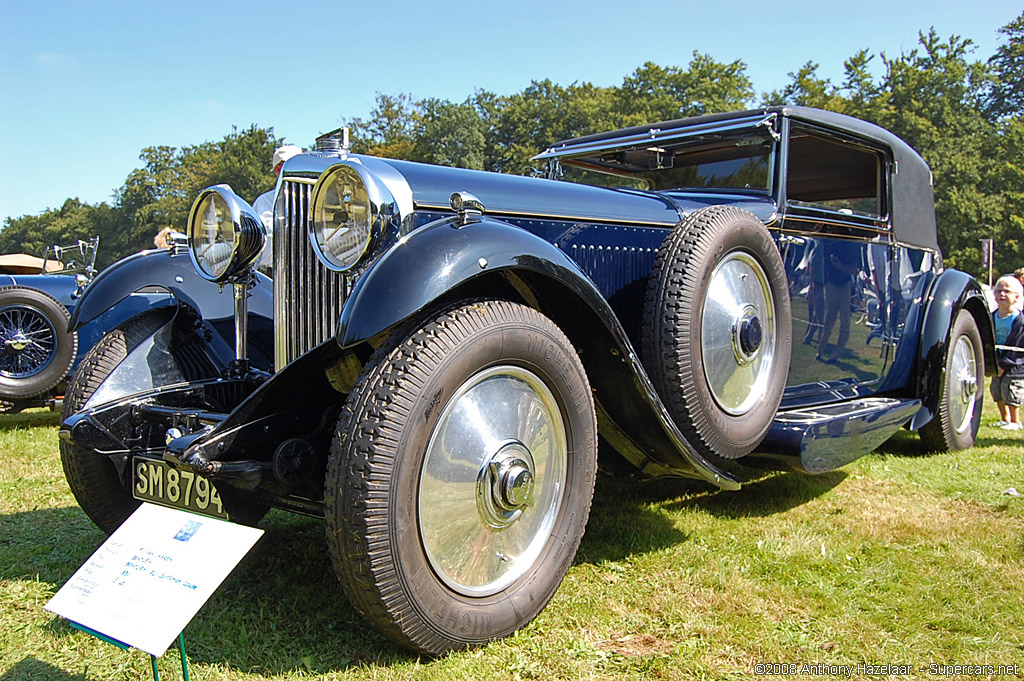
461 477
95 480
100 482
955 426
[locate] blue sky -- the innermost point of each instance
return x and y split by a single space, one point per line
85 86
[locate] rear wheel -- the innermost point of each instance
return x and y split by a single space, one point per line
955 426
461 476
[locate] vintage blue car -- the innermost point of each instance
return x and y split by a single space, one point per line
441 351
36 298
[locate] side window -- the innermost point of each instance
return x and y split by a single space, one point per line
833 175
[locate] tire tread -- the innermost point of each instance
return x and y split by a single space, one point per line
671 309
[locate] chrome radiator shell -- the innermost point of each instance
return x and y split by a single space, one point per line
308 297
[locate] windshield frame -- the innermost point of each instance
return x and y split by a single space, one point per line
643 157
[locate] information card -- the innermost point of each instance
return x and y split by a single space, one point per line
149 579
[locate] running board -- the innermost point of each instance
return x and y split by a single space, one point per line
821 439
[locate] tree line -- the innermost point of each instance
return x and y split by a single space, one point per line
964 115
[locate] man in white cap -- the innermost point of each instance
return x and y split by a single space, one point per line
264 204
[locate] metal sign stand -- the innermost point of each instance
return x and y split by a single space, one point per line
125 646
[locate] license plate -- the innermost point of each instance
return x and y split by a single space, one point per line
159 482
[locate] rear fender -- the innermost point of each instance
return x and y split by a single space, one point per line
951 292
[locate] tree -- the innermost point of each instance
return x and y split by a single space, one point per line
861 91
160 193
62 226
1008 68
655 93
392 129
807 89
452 135
1006 179
935 98
521 125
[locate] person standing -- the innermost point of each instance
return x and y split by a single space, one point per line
842 262
1008 385
264 203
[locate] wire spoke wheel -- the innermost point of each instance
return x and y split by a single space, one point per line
36 349
29 341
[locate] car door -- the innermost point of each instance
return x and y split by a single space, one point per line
837 246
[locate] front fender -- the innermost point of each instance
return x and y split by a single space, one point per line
173 271
447 260
951 292
439 258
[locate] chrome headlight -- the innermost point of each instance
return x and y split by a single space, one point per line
225 236
350 209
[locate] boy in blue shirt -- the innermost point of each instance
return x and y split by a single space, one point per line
1008 386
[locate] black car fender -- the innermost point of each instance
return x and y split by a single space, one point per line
455 260
171 270
951 292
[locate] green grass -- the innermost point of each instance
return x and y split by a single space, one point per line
902 557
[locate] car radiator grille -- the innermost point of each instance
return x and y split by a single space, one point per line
308 297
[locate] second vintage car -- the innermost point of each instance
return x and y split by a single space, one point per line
37 295
443 349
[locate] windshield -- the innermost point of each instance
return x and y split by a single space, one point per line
707 162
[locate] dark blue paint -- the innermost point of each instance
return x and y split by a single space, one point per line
458 262
166 269
64 288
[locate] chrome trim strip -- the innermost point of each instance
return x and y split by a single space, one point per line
590 219
828 220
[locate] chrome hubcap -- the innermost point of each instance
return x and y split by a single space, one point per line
738 334
965 379
504 486
747 335
492 480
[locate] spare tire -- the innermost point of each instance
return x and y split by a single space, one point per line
36 349
717 331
